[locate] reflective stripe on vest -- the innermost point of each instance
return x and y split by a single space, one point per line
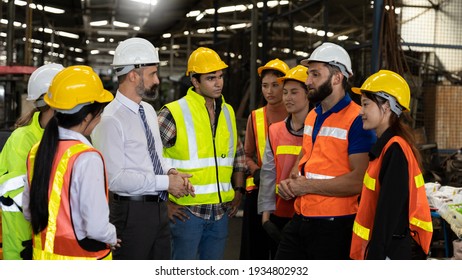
62 169
14 187
327 158
419 210
209 159
260 129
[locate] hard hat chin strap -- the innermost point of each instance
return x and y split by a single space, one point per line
73 110
39 103
394 106
341 67
122 70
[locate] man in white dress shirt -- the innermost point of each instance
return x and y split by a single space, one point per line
137 208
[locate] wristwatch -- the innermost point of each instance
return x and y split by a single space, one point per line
239 189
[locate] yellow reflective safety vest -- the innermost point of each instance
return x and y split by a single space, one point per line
208 156
420 222
58 240
260 129
15 227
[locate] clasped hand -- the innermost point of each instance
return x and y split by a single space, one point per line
179 184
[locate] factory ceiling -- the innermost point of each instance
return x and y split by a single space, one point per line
87 31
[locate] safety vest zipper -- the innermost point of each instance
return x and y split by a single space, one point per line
215 155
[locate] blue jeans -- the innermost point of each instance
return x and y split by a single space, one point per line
198 238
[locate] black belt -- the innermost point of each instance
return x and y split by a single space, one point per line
142 198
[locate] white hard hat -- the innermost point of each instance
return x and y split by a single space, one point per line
332 54
41 79
134 53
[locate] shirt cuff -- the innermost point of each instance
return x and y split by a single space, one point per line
162 182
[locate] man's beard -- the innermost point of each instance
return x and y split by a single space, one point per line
147 93
318 95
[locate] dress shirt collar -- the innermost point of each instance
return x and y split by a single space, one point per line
68 134
130 104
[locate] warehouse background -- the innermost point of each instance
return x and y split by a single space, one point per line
420 39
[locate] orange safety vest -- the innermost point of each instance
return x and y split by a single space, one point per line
58 240
325 159
260 129
286 148
419 211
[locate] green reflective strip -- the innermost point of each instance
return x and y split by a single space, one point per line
261 133
427 226
361 231
288 150
419 181
277 189
369 182
55 196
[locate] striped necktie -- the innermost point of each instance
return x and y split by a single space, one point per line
152 151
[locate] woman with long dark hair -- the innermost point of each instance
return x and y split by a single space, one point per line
393 220
67 202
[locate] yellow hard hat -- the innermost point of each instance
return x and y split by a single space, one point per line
298 73
274 64
388 82
204 60
76 85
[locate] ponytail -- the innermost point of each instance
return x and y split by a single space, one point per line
42 171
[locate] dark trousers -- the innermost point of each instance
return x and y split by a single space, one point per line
254 239
316 239
143 228
280 223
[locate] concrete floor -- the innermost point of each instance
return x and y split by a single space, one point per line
233 246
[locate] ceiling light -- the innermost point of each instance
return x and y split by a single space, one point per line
342 38
67 34
120 24
136 28
54 10
239 25
101 39
79 59
99 23
112 32
60 33
200 16
147 2
94 51
167 35
193 13
111 52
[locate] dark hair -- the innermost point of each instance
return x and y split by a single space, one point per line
44 162
275 72
197 76
334 70
400 125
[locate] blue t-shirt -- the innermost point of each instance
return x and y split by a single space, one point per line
360 140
